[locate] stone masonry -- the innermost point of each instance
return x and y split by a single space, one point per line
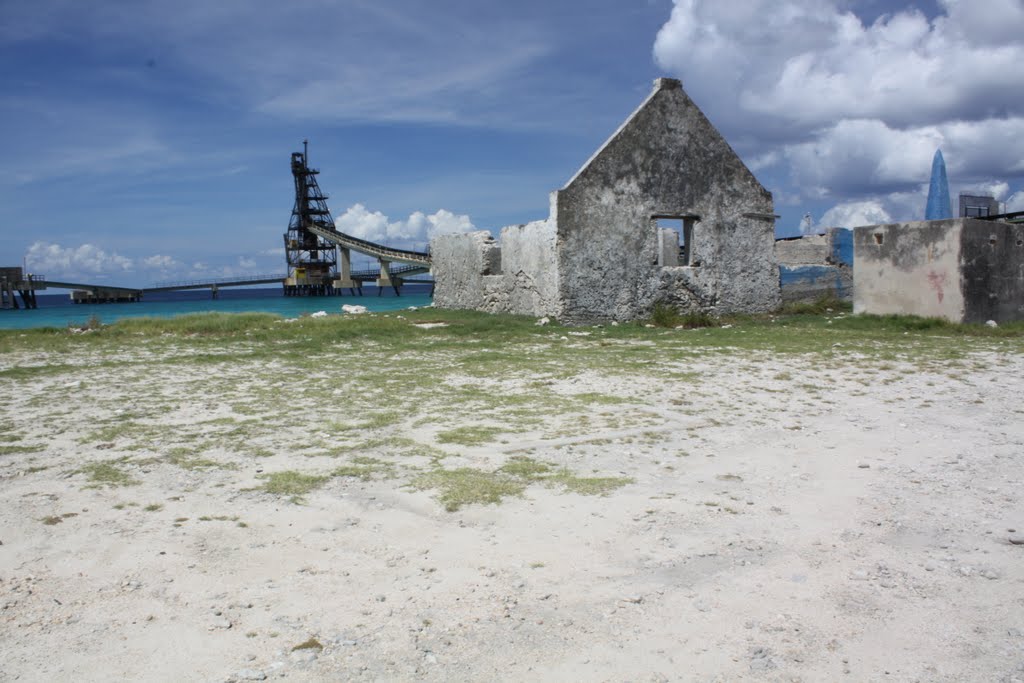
605 253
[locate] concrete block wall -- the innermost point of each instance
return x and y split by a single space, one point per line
961 269
459 264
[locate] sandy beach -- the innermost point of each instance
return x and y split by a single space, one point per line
660 509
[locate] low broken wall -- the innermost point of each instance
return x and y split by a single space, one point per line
459 263
814 267
529 268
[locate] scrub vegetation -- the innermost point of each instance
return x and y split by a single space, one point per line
455 411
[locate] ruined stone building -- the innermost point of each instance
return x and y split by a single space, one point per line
664 212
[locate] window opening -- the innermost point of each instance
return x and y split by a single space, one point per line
682 225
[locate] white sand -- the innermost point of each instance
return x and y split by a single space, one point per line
774 532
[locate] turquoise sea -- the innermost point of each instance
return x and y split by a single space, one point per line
56 310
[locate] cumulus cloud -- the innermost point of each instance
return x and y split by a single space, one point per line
852 214
161 262
855 108
1015 202
812 62
56 261
374 226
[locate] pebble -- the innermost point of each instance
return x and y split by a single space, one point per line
990 574
930 566
859 575
251 675
220 623
864 466
301 656
1016 539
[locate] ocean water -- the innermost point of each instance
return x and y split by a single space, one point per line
56 310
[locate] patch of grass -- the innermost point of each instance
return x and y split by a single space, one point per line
825 304
467 486
526 468
18 449
153 507
311 644
666 316
364 468
589 486
185 459
373 421
469 436
51 520
107 473
292 483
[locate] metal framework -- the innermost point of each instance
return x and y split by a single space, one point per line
312 260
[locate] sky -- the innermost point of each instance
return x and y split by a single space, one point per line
147 141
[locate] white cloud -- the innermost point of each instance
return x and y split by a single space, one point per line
854 108
161 262
1015 202
811 62
374 226
852 214
55 261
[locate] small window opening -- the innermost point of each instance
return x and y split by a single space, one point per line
976 211
682 225
879 238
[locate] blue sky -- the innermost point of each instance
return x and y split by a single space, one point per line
147 140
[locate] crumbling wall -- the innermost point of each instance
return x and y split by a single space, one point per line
529 268
668 160
908 268
816 266
459 264
960 269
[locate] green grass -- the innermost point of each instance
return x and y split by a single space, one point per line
468 486
107 473
292 483
666 316
19 449
470 436
311 644
364 468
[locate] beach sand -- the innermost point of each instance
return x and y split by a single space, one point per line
768 517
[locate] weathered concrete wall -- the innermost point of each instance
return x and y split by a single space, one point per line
529 268
992 271
909 268
667 159
816 266
798 251
459 265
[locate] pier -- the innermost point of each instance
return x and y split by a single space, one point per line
318 256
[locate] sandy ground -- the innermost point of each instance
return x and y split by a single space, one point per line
784 522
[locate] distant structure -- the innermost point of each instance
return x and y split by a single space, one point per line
664 213
938 207
807 225
813 267
978 206
312 260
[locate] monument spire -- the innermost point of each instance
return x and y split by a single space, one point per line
938 206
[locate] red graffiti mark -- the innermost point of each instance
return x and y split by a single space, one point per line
937 281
